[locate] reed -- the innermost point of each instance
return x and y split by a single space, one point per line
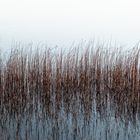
87 74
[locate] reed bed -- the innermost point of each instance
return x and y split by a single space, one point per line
78 80
88 72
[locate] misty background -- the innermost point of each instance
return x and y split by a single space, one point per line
62 22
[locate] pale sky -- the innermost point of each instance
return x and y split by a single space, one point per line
60 22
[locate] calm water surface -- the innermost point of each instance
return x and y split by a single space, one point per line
62 117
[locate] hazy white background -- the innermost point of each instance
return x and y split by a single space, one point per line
63 21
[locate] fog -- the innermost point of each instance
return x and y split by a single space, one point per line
62 22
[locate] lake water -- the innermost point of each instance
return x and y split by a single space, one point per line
70 116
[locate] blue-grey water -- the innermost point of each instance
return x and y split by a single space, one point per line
38 118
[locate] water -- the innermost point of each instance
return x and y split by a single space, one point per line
72 118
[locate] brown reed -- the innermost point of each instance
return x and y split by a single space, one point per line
93 72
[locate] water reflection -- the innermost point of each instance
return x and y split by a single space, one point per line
77 117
